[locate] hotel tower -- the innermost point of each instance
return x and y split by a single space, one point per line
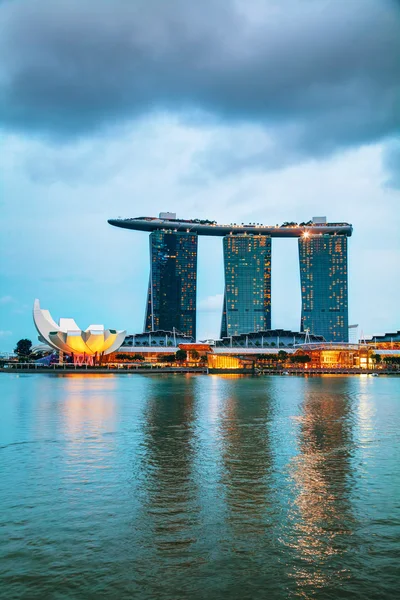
323 277
247 297
171 298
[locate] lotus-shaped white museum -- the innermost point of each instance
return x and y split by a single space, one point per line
69 338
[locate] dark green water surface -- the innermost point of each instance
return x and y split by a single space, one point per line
192 487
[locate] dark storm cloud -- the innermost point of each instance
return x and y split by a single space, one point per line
329 69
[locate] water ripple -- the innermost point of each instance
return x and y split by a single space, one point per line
199 487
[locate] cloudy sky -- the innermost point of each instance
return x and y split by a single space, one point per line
233 110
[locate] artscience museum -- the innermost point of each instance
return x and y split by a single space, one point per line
85 346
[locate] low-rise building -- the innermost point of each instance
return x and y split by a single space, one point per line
158 339
389 341
270 338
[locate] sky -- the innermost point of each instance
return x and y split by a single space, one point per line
232 110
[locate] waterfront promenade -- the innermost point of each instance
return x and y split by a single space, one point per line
32 368
160 370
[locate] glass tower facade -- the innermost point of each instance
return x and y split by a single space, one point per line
323 277
247 298
171 300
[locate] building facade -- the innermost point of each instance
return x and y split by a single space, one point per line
324 287
385 341
171 298
157 339
279 338
247 297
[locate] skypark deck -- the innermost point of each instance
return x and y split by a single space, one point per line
204 227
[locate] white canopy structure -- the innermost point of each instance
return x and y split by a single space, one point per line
69 338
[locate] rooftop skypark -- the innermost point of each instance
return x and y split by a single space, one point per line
168 221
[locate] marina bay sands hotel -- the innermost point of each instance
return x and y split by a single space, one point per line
171 298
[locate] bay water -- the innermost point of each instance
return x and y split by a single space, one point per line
193 486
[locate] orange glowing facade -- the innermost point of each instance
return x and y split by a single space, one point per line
67 337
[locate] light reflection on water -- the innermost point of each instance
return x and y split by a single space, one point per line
321 514
199 487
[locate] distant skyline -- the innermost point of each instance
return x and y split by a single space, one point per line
245 111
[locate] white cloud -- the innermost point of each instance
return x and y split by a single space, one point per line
6 299
211 303
5 333
85 268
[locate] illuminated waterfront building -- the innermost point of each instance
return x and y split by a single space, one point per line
171 299
67 337
387 340
323 277
247 298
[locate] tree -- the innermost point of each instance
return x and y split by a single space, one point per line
377 358
195 355
268 356
282 355
300 358
392 360
129 357
180 355
23 349
167 358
